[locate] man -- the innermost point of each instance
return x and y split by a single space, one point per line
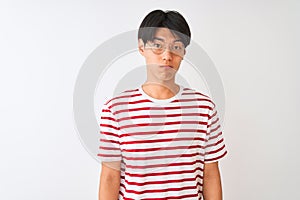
161 140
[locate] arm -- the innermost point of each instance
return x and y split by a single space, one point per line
212 188
109 181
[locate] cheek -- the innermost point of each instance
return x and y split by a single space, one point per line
152 60
178 61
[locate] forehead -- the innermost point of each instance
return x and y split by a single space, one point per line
166 34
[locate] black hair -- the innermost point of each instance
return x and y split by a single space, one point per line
172 20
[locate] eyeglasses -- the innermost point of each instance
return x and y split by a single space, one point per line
158 47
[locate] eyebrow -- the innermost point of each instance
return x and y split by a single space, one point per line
160 39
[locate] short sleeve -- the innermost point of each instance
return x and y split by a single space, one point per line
215 147
109 147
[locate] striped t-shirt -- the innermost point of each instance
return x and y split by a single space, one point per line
162 144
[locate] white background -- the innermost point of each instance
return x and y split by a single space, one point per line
255 46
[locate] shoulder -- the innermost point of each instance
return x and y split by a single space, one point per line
191 93
122 97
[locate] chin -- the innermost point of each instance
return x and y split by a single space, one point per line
166 77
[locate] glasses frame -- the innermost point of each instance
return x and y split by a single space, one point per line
171 47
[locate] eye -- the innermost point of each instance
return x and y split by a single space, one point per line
177 47
157 45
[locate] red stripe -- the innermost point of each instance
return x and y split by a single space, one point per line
166 198
163 165
109 155
129 102
109 126
109 118
214 114
213 130
106 110
125 96
214 122
162 108
163 132
164 156
175 197
109 133
163 123
132 90
160 190
109 148
215 136
163 140
189 100
216 158
216 151
160 116
214 144
109 141
165 181
164 173
193 93
163 148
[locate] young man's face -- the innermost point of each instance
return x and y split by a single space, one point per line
163 55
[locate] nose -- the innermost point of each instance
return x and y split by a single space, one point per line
167 54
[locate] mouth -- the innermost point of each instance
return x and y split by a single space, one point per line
166 66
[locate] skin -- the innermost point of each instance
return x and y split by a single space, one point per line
160 84
212 188
109 181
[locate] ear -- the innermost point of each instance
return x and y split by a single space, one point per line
183 54
141 46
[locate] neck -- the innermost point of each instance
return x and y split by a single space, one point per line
161 89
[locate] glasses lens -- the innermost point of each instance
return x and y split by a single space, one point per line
159 47
178 48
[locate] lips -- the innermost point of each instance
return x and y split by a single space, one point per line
167 66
